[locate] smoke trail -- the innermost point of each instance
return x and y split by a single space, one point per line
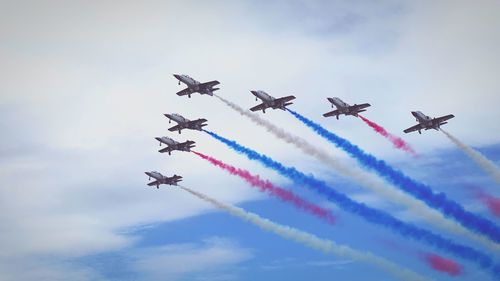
361 177
493 203
442 264
435 261
312 241
264 185
367 213
396 141
487 165
421 191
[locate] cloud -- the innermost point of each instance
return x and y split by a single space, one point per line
187 261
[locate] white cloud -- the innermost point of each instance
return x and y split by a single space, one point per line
186 261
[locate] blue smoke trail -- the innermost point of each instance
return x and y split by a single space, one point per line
367 213
438 201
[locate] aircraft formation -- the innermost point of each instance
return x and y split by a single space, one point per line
267 101
434 207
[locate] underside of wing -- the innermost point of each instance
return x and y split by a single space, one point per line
360 106
284 99
331 113
414 128
175 128
184 92
444 118
153 183
210 84
197 122
166 149
259 107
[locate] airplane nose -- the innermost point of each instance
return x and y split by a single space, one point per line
177 76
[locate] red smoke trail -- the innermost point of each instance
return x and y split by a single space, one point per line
444 265
265 185
396 141
493 203
435 261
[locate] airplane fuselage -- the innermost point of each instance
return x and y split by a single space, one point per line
177 118
155 175
425 120
190 82
168 141
341 106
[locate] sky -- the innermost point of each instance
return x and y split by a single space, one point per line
84 86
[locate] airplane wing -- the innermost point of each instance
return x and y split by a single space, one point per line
175 128
331 113
155 183
184 92
166 149
197 121
259 107
209 84
284 99
443 118
414 128
360 106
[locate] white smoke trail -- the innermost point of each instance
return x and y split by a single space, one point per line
487 165
313 241
377 185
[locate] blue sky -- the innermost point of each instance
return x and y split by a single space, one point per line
85 85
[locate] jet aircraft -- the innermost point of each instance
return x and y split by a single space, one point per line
425 122
194 86
268 101
161 179
183 123
174 145
344 108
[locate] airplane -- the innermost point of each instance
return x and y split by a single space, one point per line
183 123
194 86
174 145
161 179
344 108
268 101
425 122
